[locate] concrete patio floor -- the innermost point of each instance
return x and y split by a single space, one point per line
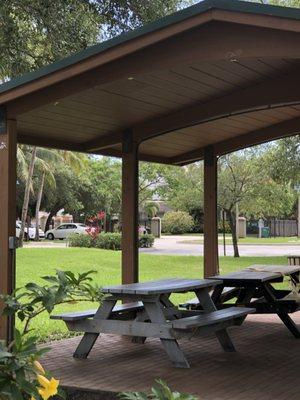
266 365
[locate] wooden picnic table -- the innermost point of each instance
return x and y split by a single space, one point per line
254 287
151 313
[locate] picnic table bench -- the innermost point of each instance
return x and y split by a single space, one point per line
254 287
150 313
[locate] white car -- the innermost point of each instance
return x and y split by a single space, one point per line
64 230
28 233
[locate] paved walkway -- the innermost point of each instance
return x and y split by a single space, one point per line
266 365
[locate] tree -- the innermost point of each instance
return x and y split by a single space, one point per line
282 161
237 174
34 33
151 181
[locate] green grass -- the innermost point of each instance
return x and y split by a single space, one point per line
34 263
248 240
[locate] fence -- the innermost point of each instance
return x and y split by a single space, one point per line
283 227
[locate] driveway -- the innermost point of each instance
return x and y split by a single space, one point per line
172 245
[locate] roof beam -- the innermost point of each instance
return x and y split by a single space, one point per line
109 152
271 93
272 132
103 142
33 140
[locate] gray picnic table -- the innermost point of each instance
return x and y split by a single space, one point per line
149 312
254 287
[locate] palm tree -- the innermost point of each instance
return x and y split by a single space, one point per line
45 169
151 208
44 160
28 187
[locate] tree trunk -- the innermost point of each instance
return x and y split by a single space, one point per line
26 196
37 208
232 223
51 215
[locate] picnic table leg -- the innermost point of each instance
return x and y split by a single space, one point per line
88 340
142 316
171 346
290 324
209 306
285 318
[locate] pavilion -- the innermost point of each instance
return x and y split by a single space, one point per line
211 79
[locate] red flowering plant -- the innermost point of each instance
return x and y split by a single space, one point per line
95 224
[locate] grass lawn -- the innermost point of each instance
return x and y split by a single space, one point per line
198 239
34 263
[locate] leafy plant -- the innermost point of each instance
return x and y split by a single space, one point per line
65 287
177 222
21 375
146 240
109 241
80 240
160 391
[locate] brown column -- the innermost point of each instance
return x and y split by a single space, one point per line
130 180
211 259
8 148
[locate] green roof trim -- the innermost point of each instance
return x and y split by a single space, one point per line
206 5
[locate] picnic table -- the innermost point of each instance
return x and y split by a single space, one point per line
150 313
254 287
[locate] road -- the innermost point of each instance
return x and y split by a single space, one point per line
172 245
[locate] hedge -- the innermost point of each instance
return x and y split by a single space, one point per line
177 222
109 241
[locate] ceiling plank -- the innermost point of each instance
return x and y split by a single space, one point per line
272 132
270 93
216 41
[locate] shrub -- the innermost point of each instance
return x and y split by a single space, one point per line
159 391
177 222
80 240
109 241
146 240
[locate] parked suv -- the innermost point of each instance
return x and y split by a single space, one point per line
29 233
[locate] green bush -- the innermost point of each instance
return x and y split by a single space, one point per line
177 222
146 240
80 240
109 241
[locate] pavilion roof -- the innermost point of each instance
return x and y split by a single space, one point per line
219 73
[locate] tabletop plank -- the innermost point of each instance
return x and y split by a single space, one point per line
281 269
173 285
249 276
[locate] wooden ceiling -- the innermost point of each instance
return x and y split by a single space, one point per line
227 84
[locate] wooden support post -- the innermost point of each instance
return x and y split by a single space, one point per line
130 181
8 147
211 259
